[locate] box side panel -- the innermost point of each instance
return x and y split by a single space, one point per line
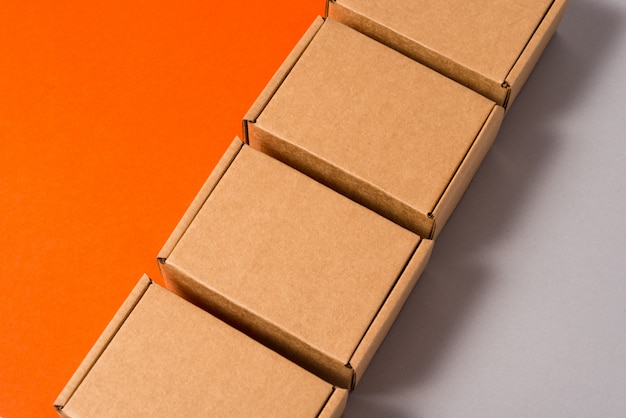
280 75
492 89
462 178
336 404
268 334
535 47
169 358
390 309
356 189
200 198
102 342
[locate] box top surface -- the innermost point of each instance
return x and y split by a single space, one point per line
378 115
294 253
486 36
169 358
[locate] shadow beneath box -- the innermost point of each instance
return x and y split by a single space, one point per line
529 138
368 406
455 279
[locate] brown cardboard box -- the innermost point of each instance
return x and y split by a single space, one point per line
490 46
374 125
162 357
297 266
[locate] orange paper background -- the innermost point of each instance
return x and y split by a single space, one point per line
112 115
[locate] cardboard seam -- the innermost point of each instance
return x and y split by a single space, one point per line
336 403
507 97
456 171
104 341
429 57
173 241
279 77
325 404
326 7
262 330
400 274
351 192
394 305
530 38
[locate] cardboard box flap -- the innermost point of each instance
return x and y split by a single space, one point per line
279 76
258 327
478 46
167 357
313 250
390 309
308 357
198 201
336 404
484 35
465 173
390 143
382 32
537 44
102 342
349 184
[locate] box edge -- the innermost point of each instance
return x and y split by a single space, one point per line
389 310
495 90
335 405
467 169
279 76
258 328
102 342
225 161
526 62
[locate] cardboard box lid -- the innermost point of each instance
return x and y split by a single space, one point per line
162 356
371 123
277 250
485 35
477 42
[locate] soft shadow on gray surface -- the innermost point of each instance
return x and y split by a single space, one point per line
455 279
368 407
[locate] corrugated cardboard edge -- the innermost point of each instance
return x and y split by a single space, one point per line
389 311
214 178
495 90
530 56
101 344
464 174
280 75
335 405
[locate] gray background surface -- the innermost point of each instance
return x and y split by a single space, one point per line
522 309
